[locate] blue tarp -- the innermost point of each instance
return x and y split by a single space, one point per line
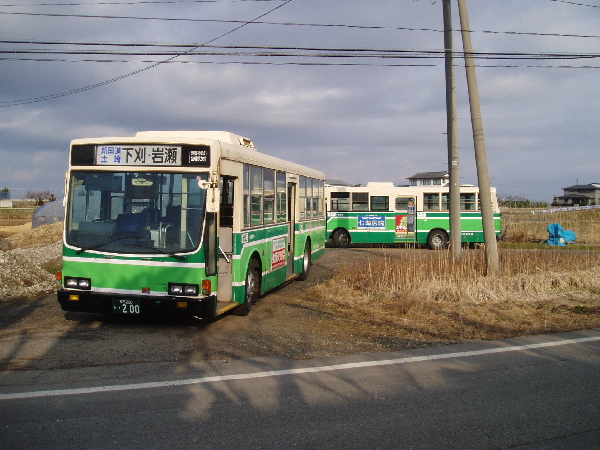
559 236
50 213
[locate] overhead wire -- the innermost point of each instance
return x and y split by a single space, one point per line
4 104
299 24
275 51
297 63
281 52
575 4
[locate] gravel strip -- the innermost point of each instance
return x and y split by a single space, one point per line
22 274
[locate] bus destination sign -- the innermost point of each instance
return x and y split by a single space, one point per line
138 155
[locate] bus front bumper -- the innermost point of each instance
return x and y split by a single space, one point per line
94 302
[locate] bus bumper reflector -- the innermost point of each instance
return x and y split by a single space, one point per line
74 297
182 304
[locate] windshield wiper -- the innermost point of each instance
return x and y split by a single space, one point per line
116 238
173 254
102 244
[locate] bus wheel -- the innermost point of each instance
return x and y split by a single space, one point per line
306 262
341 238
252 289
437 240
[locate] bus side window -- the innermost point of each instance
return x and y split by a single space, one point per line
340 201
226 207
380 203
360 201
281 197
467 202
431 202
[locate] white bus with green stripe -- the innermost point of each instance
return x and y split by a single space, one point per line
193 223
381 213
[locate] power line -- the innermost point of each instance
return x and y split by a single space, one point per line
280 52
299 24
575 4
286 51
121 77
296 63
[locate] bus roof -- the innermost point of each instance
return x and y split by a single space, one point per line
223 136
232 146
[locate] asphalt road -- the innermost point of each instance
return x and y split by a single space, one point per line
539 392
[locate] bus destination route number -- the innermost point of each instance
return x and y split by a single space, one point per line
121 306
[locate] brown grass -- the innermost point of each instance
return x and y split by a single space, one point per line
16 216
425 296
522 225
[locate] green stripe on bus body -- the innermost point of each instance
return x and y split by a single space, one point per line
132 276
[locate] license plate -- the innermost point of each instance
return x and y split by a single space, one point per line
121 306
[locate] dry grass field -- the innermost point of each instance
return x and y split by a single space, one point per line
18 215
520 225
426 296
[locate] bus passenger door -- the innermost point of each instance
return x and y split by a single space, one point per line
224 292
291 212
406 219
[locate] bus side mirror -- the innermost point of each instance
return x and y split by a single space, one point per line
213 194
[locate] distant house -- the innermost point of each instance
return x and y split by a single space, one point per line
580 195
429 179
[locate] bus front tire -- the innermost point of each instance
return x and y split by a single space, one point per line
437 240
306 262
252 289
341 239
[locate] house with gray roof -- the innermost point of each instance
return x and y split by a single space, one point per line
580 195
429 179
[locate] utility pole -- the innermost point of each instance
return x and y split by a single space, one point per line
452 134
485 196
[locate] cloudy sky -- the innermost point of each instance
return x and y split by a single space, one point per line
355 88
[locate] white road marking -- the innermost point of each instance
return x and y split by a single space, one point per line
278 373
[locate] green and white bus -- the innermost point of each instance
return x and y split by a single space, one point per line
195 223
382 213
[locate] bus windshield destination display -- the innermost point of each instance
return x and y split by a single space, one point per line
138 155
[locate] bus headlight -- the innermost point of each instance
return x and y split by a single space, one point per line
78 283
175 289
190 289
183 289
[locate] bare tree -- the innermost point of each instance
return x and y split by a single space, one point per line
41 197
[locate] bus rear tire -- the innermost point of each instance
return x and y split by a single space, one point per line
306 262
341 239
252 289
437 240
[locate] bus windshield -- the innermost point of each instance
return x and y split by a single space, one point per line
135 212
